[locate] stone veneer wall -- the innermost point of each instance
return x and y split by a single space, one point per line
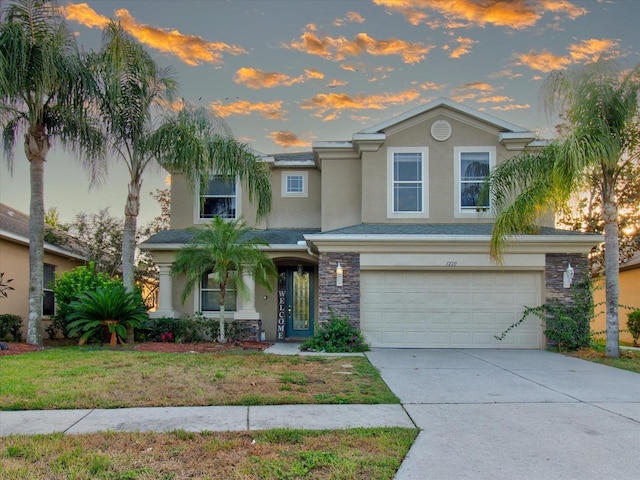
555 266
345 300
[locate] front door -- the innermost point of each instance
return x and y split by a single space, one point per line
295 302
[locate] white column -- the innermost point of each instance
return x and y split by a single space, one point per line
247 305
165 292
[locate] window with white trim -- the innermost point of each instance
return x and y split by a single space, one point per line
472 167
210 295
407 175
294 184
48 282
220 199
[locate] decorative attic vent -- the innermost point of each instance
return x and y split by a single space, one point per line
441 130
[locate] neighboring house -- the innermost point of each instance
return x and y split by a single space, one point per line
389 230
629 296
14 262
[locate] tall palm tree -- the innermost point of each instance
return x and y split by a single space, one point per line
144 128
224 250
600 104
44 93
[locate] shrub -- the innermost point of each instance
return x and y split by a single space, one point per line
187 329
336 335
109 308
10 326
67 288
633 324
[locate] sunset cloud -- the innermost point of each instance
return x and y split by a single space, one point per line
254 78
336 83
511 108
592 49
480 86
586 51
514 14
288 139
329 106
339 48
191 49
495 99
351 17
543 61
271 111
313 73
428 86
464 47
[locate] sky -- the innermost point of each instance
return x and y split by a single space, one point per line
285 73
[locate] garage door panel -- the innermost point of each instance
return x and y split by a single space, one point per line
449 309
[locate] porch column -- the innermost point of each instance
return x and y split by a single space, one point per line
247 308
165 293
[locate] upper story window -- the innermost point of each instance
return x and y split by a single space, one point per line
294 184
220 198
48 281
407 195
472 166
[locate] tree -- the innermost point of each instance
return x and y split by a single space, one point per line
144 128
44 92
224 249
600 103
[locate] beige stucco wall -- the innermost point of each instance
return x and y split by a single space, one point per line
341 193
440 175
14 262
629 295
295 212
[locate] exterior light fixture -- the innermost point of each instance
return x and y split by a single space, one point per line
339 275
567 277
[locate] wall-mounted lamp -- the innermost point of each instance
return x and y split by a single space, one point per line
339 275
567 277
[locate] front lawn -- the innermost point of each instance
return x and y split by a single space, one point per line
628 360
93 377
372 454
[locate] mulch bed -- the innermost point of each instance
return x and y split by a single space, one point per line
161 347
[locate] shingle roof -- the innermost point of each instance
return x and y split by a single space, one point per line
433 229
16 224
274 236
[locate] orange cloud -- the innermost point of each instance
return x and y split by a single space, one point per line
495 99
329 106
254 78
313 73
352 17
339 48
510 108
481 86
271 111
464 47
515 14
288 139
337 83
191 49
544 61
428 86
592 49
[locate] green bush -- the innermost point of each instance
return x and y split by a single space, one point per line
334 336
67 288
10 326
633 324
108 309
186 329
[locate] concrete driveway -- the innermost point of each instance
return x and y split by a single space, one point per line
514 414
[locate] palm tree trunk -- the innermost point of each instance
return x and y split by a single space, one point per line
611 272
131 210
36 146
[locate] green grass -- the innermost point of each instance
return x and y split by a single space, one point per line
90 377
628 360
367 453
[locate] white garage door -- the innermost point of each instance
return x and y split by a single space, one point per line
436 309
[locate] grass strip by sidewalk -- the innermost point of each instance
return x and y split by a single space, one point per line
371 453
91 377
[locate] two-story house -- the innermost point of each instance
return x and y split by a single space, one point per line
390 230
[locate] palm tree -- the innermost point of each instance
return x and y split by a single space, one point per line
600 104
224 250
144 128
44 93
